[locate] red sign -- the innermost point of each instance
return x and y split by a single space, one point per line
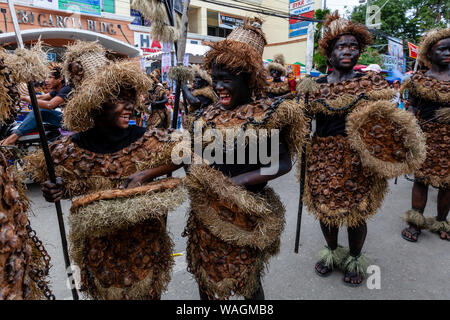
413 50
309 14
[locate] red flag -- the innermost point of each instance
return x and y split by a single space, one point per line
413 50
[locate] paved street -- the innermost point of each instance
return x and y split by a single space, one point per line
408 270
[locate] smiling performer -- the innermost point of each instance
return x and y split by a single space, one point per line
361 140
235 220
202 94
118 236
430 95
276 70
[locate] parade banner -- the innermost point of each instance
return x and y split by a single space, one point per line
84 6
395 49
413 50
229 22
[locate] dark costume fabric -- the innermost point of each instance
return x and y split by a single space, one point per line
118 237
232 231
433 97
361 140
159 116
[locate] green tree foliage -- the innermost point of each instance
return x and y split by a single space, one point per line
370 56
407 19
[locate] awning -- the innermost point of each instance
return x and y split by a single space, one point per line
73 34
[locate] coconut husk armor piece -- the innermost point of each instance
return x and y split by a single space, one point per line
84 104
232 233
428 41
435 94
346 177
90 55
118 237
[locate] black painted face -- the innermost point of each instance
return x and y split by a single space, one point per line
199 83
345 53
116 115
233 89
440 53
275 74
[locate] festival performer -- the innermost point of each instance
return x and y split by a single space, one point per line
159 115
24 262
361 140
235 221
429 94
118 236
276 70
202 94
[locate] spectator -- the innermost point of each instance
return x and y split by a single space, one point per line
47 103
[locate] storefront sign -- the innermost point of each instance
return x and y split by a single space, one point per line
147 44
81 6
47 4
59 21
297 8
229 22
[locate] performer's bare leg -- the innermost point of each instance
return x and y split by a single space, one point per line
356 239
443 207
331 237
419 201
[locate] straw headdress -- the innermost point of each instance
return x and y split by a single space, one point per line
428 41
107 85
241 52
90 55
278 63
336 26
23 65
202 73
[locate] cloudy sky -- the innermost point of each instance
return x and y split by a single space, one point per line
340 5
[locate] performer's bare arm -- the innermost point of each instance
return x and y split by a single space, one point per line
256 177
191 99
44 104
142 177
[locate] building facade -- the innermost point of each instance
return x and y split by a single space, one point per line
284 35
58 22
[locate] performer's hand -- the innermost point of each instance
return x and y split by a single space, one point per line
53 192
135 180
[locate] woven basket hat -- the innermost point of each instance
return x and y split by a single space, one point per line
241 52
428 41
251 34
90 55
104 86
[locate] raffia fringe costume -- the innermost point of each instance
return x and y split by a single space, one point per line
232 232
347 176
158 117
118 237
22 266
278 88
